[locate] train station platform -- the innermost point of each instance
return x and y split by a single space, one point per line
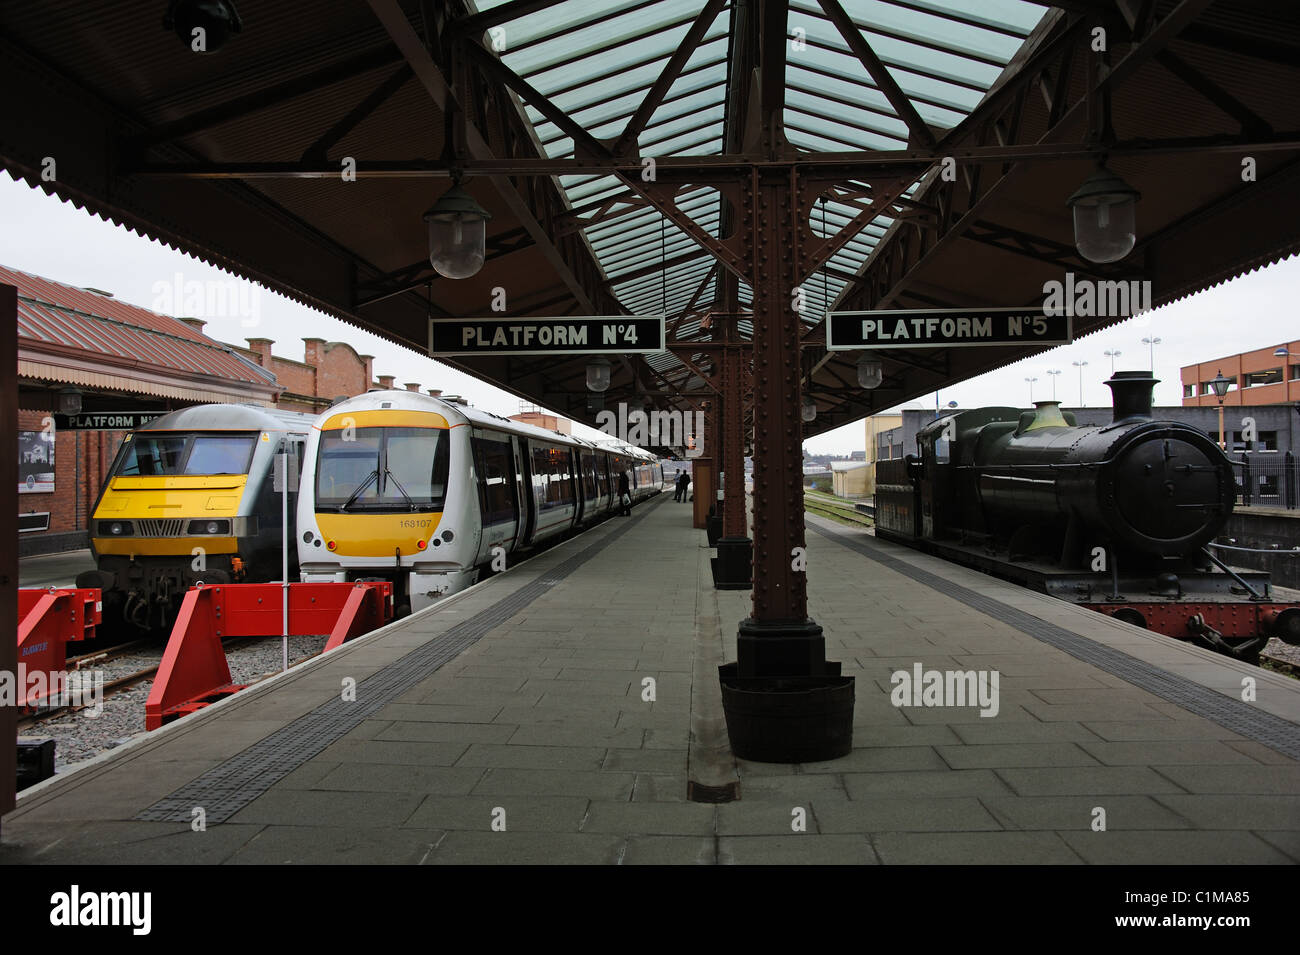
514 724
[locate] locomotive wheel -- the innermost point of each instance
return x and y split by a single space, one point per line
1129 615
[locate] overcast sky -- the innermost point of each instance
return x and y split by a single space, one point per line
58 241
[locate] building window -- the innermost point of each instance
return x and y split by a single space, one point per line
1189 391
1254 378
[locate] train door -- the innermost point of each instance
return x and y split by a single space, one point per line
580 496
494 466
524 489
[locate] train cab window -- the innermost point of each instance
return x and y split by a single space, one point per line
154 455
223 454
416 462
147 455
942 450
386 469
494 464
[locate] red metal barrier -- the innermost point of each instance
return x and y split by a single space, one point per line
47 620
194 672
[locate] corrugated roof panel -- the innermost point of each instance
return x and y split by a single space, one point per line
59 314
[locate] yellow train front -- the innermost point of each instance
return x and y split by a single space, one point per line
191 499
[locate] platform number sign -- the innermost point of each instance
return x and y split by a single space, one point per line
566 335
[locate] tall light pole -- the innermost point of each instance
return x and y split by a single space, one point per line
1220 386
1112 355
1153 342
1031 389
1080 365
1053 372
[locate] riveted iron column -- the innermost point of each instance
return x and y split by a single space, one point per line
778 639
704 480
733 565
783 700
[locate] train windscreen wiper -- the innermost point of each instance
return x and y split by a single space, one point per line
401 490
361 489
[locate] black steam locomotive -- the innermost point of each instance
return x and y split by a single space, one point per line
1115 518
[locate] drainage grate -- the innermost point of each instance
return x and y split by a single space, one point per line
225 789
1273 731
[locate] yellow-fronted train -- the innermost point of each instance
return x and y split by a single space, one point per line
190 499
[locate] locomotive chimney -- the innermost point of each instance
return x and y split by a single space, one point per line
1131 394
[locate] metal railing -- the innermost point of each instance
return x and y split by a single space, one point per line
1268 481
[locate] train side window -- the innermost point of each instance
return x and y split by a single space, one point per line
942 450
541 477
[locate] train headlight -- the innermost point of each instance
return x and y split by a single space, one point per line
209 527
116 529
331 545
420 545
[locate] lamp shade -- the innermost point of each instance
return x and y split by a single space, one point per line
598 374
871 372
1220 384
457 234
1105 220
809 410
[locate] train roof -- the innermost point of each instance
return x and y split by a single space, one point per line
231 417
457 413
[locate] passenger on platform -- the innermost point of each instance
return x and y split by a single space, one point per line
624 495
683 482
677 484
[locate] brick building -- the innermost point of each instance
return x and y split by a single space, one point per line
82 350
329 370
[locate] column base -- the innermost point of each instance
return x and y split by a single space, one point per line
733 567
788 720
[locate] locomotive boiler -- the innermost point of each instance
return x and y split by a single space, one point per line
1116 517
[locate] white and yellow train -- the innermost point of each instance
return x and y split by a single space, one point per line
420 491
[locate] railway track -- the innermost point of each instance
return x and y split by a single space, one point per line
117 685
831 507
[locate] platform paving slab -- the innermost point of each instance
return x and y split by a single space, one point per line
544 718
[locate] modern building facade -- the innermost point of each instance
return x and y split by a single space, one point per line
1265 376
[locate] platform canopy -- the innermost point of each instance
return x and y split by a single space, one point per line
549 109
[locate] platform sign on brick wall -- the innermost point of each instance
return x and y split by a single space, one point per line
106 420
946 328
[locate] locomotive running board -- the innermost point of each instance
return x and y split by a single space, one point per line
194 671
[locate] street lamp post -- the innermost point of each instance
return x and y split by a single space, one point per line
1112 355
1031 389
1081 365
1153 342
1220 386
1053 372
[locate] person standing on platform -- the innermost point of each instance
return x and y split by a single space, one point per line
677 483
683 484
624 495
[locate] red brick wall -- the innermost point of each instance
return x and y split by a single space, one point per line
81 462
342 371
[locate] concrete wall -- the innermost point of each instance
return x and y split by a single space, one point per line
1264 528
